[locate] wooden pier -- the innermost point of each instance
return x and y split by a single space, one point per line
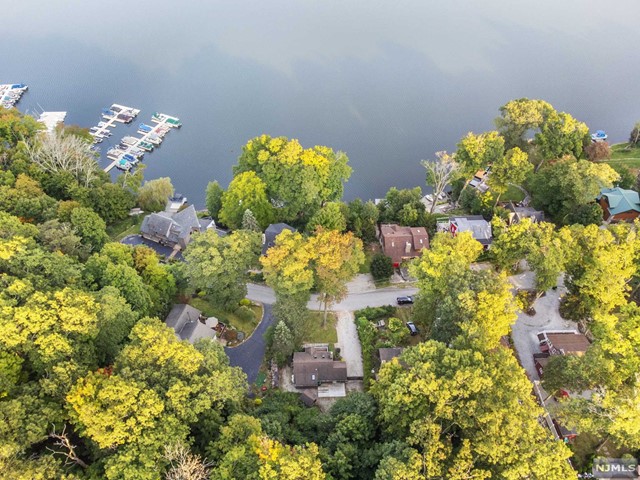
163 123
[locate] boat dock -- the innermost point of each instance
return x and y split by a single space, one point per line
131 149
111 115
11 93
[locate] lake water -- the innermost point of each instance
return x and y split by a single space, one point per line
390 83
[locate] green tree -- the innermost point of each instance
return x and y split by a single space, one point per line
59 236
511 169
634 136
561 186
477 152
402 206
214 199
362 219
111 202
604 262
518 117
381 267
283 343
453 404
218 265
249 222
329 217
154 194
298 181
336 259
90 227
246 191
560 135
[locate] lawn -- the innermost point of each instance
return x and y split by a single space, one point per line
513 194
128 226
621 156
315 332
208 309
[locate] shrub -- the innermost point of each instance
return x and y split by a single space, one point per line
376 313
245 302
245 314
381 267
367 334
598 151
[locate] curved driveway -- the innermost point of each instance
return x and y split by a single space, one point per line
249 354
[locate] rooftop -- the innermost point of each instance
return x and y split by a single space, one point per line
620 200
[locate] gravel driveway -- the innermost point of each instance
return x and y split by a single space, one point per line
349 343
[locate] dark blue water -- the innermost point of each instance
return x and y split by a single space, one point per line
390 83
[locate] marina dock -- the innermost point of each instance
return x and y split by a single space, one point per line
111 115
132 149
10 94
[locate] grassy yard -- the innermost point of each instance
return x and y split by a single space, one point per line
208 309
513 194
621 156
128 226
315 332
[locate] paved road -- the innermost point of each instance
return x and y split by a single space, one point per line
354 301
250 353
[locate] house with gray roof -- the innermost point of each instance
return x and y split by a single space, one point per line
316 366
189 323
172 229
270 234
619 205
518 213
480 229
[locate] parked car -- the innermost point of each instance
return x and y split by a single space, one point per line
405 300
412 328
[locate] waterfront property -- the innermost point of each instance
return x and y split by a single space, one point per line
480 229
403 243
173 229
619 205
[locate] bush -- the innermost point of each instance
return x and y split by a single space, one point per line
381 267
367 334
245 302
245 314
598 151
376 313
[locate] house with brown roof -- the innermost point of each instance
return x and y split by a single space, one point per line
316 366
403 243
554 343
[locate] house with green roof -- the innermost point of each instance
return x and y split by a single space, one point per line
619 205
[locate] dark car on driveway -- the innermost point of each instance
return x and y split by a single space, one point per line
412 328
405 300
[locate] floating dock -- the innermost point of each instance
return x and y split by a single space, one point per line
131 149
112 115
11 93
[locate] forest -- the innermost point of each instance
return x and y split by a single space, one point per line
94 385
